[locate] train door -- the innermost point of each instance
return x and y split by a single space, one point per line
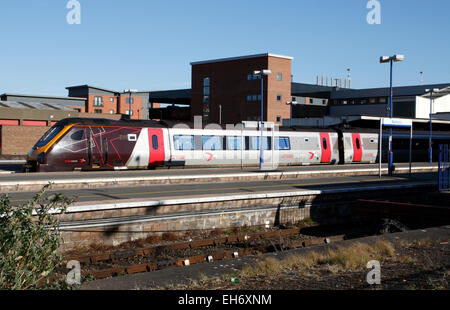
326 147
156 142
357 147
94 151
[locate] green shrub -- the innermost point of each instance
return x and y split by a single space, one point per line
29 240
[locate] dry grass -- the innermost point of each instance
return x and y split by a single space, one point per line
353 257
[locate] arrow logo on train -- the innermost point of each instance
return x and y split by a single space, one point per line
312 155
210 156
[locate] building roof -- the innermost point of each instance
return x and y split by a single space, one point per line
34 105
41 96
442 92
241 57
417 90
92 86
299 88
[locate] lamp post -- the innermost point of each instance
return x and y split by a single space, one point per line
130 91
431 121
261 74
391 59
290 103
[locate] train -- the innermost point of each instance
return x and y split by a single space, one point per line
86 144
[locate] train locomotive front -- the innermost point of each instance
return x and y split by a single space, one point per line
92 144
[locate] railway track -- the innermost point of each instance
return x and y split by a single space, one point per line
181 254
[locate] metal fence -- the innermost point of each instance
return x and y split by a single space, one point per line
444 167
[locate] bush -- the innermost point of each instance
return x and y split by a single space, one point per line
29 240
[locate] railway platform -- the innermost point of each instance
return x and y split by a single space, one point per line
97 179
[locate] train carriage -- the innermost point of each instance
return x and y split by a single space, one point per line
90 144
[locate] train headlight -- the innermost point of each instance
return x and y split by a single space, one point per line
41 158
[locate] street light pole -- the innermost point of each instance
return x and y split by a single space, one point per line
261 73
385 59
431 122
129 99
290 103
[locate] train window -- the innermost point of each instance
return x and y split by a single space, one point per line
211 143
132 137
184 142
234 143
155 142
358 144
49 135
325 145
267 145
282 143
78 135
306 139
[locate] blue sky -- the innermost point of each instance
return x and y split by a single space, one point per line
149 44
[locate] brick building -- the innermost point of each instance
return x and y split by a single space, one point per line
226 91
105 101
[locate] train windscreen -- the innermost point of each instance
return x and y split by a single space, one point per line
48 136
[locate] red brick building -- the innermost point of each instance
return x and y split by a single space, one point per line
226 91
105 101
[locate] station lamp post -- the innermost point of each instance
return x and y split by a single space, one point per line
261 74
290 103
435 90
130 91
391 59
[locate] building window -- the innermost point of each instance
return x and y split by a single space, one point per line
251 98
111 99
372 100
98 101
311 100
127 112
111 111
382 100
251 77
324 102
279 97
206 96
278 118
279 76
344 101
98 111
130 100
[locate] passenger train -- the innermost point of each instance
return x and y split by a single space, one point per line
101 144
